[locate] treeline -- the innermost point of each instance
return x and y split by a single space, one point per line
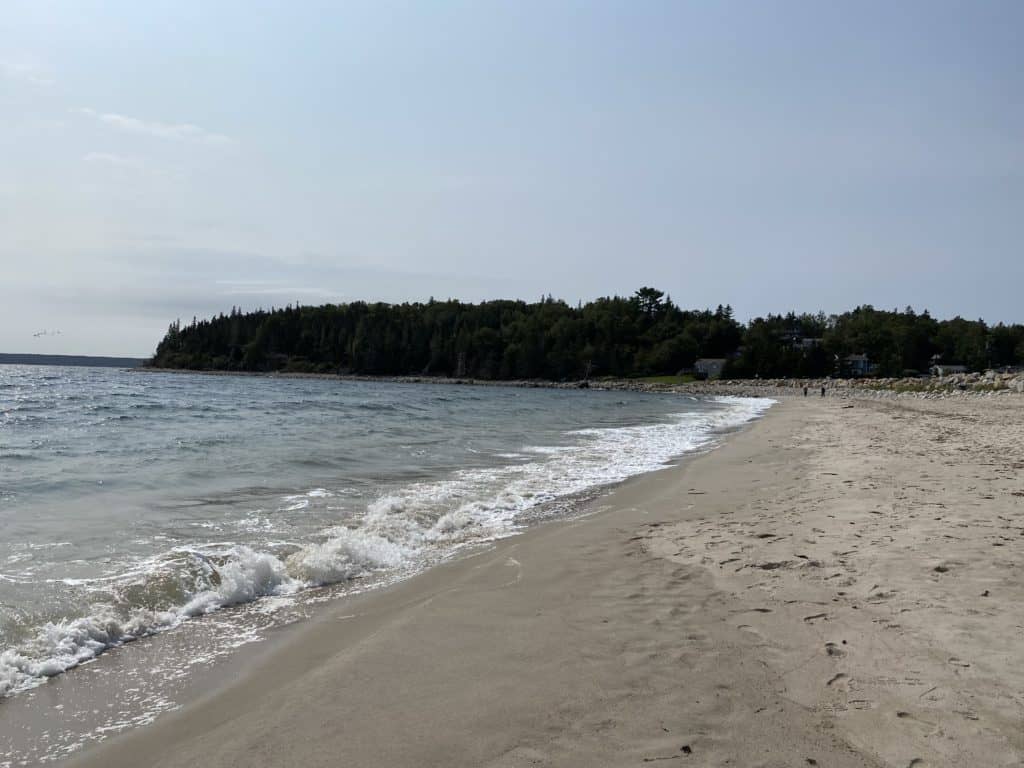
642 335
895 343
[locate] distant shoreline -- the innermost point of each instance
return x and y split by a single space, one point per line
82 361
957 385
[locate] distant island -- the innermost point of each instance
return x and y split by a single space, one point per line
77 360
643 335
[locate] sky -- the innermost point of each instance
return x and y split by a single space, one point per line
171 159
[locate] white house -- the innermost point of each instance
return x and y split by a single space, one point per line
944 369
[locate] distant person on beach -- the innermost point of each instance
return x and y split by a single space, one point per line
822 391
805 391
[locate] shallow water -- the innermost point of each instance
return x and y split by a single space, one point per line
132 503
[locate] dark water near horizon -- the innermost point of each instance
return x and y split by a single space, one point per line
133 504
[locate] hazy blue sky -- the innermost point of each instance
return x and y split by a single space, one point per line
165 159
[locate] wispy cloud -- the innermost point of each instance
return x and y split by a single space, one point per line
111 160
185 132
119 161
26 74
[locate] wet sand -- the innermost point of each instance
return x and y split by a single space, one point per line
838 585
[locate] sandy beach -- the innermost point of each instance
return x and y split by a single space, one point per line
837 585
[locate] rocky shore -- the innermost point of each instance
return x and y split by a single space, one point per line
987 384
990 383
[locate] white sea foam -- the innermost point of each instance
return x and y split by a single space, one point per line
59 646
346 554
246 576
403 529
299 501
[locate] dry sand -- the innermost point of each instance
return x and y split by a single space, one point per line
839 585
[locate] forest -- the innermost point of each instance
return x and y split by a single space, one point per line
641 335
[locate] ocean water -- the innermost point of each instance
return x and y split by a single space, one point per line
134 504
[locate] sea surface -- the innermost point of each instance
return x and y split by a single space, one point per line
214 507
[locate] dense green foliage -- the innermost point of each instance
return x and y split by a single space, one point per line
896 344
643 335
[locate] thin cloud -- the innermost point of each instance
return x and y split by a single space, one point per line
184 132
111 160
25 74
118 161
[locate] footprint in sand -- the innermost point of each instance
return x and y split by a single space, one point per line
840 680
753 632
926 727
832 649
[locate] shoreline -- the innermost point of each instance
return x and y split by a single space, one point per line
93 683
294 652
832 585
957 385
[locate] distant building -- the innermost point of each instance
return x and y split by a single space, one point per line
709 367
796 340
858 365
945 369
